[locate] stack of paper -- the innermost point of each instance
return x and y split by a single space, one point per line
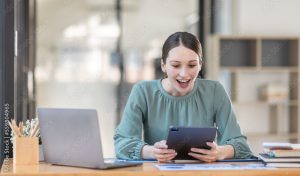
281 154
211 166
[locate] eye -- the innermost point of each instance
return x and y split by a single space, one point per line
176 66
192 66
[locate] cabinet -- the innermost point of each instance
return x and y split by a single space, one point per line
261 75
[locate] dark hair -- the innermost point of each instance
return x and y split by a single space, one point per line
186 39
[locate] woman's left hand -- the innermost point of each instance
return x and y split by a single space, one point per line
215 153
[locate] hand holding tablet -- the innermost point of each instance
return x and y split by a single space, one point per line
182 139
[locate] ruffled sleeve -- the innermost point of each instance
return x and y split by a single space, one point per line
128 135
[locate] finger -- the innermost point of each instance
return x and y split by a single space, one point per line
161 144
202 157
213 145
171 157
163 156
163 141
166 157
204 151
163 151
205 158
165 160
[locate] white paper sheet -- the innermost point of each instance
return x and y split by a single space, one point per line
170 167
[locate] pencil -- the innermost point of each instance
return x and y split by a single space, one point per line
35 129
21 128
35 134
14 124
11 127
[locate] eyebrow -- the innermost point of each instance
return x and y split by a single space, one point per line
188 61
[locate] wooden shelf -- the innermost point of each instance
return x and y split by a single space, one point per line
293 103
260 69
290 103
279 52
277 135
238 52
246 64
259 37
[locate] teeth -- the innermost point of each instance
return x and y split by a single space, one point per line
183 81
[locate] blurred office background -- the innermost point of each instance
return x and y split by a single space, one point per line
88 57
89 53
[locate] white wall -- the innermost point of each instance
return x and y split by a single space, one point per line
270 17
155 19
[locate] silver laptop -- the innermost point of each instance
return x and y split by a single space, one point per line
71 137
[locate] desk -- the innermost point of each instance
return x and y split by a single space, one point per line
145 169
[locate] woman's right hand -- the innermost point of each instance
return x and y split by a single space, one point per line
162 153
158 151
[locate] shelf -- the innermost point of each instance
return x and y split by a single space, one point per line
238 52
260 69
258 37
293 103
256 67
259 103
276 136
278 69
279 52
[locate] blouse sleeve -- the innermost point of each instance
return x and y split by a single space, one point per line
127 138
229 132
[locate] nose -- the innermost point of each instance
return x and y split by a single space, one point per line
182 72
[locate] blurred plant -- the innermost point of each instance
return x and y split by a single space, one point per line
27 129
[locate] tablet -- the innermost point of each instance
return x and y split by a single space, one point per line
182 139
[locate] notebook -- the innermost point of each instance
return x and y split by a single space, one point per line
71 137
269 159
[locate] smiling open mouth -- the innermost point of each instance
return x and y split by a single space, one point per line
183 83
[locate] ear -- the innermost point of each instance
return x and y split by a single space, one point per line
163 66
200 64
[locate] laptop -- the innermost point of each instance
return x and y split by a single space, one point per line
71 137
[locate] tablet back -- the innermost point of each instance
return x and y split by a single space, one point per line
182 139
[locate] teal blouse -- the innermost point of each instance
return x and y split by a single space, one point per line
150 111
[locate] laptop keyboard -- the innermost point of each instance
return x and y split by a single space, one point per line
114 163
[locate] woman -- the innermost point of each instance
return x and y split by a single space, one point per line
179 99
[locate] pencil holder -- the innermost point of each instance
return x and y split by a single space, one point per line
25 151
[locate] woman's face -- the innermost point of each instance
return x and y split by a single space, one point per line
182 67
